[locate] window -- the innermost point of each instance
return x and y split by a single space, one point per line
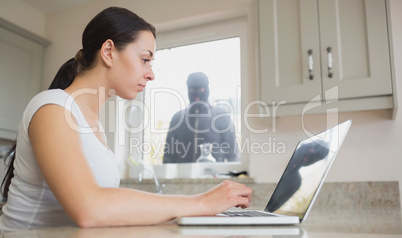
215 49
218 59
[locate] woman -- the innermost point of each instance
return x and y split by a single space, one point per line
63 171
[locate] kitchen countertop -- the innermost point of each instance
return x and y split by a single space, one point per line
350 209
363 222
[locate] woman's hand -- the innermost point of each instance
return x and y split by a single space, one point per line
226 195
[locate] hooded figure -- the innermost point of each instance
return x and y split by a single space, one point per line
200 123
304 156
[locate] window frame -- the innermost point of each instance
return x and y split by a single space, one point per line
236 27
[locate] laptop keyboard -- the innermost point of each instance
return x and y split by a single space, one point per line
245 213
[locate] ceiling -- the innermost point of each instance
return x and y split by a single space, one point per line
47 6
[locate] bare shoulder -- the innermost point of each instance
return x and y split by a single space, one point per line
53 131
52 117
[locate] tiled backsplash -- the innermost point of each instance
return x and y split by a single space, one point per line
345 195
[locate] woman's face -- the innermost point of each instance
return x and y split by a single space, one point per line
131 68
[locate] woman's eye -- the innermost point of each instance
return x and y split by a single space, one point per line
146 61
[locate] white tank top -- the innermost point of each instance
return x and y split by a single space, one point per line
30 202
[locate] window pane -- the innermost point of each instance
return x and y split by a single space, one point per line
168 94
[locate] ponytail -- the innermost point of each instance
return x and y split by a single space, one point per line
66 74
5 184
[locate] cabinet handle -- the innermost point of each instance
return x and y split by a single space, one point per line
330 62
310 64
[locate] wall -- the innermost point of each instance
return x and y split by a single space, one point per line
24 16
371 149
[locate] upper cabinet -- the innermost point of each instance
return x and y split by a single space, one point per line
321 51
21 63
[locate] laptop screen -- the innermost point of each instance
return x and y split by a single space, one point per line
306 172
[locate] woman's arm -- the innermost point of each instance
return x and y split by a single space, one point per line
58 151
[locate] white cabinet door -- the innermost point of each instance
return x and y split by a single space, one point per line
356 32
20 76
288 31
350 54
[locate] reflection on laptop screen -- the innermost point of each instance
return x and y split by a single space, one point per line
305 172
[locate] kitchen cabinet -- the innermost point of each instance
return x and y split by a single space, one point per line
321 51
21 63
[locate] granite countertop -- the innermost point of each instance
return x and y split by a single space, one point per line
379 222
358 209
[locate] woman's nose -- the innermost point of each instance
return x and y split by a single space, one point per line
150 75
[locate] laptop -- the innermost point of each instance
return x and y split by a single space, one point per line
297 189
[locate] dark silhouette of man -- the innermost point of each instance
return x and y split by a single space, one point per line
198 124
304 156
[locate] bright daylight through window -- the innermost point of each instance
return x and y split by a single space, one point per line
219 60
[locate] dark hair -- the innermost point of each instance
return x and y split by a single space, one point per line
115 23
10 171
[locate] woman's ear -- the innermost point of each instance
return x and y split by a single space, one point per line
106 52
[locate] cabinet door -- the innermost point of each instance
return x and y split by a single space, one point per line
356 31
288 30
20 74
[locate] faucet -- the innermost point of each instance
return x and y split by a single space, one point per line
158 187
